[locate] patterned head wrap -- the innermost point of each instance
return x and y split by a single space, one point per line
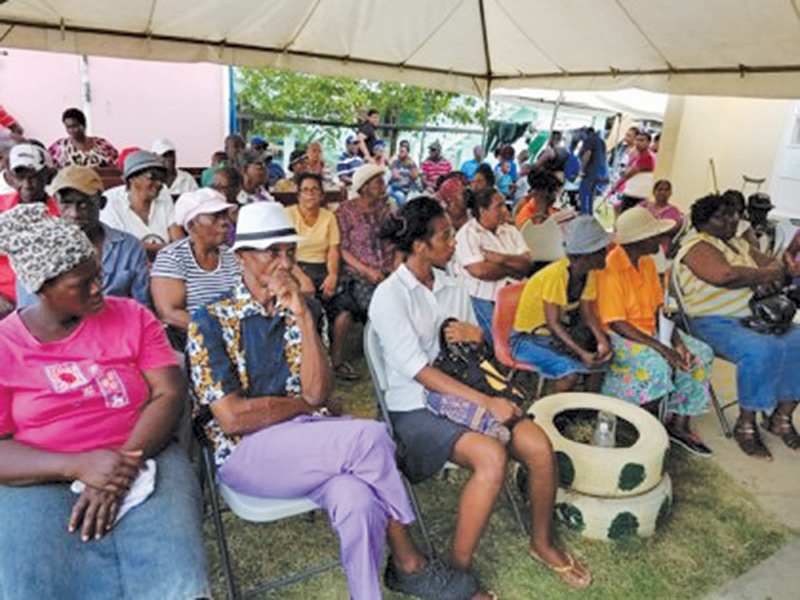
39 246
449 191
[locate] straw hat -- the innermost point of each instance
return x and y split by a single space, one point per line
637 224
363 174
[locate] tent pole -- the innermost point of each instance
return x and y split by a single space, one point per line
559 100
486 114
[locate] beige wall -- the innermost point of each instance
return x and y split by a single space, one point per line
742 135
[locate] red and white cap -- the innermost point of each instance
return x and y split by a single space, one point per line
28 156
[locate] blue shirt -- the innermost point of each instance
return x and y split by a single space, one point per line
597 161
470 167
512 171
126 273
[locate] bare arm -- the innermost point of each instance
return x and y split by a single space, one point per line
169 298
350 259
437 381
552 314
519 265
710 265
588 309
159 416
489 271
176 232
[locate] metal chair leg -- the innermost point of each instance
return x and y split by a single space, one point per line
723 420
418 512
219 530
540 386
515 507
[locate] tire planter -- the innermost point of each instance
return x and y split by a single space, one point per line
605 472
615 518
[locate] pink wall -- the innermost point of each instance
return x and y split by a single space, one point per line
132 102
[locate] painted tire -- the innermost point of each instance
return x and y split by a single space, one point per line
605 472
615 518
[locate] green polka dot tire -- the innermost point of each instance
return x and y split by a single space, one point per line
615 518
605 472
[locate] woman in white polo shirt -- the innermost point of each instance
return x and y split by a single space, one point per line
407 311
490 254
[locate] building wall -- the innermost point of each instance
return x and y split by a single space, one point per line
743 136
131 102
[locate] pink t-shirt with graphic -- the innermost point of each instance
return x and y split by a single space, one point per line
85 391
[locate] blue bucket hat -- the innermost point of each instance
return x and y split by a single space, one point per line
585 235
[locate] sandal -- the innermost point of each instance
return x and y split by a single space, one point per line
573 573
781 425
346 372
746 435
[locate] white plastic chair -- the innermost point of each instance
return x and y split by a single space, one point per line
254 510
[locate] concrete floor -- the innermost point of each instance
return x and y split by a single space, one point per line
775 485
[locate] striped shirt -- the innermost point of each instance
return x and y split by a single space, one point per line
700 297
177 261
347 165
471 240
432 170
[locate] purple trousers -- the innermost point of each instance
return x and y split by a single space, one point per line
347 466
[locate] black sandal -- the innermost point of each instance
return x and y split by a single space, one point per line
781 425
345 372
746 435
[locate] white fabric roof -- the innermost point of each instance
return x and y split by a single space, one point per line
719 47
637 104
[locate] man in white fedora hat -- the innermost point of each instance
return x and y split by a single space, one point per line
261 379
650 366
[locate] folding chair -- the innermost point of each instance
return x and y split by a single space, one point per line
254 510
675 304
502 321
377 371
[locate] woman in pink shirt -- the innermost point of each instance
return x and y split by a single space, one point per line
97 503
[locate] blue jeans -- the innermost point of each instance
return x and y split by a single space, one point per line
484 309
767 366
535 350
586 192
155 551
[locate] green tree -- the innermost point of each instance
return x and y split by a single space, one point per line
289 95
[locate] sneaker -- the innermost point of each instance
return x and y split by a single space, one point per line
695 446
436 581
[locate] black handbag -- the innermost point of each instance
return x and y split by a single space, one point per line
772 315
474 366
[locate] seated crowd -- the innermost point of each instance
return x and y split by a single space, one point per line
91 391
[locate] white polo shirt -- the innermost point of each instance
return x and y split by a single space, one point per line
471 240
407 316
118 214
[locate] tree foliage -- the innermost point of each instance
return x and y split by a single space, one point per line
289 95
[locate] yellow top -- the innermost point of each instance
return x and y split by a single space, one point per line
316 238
549 285
702 298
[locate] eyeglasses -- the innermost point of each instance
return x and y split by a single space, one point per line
154 175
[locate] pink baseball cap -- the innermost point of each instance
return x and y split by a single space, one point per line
204 201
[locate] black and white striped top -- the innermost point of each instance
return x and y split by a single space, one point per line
177 261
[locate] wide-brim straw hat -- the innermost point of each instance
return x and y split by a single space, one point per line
363 174
637 224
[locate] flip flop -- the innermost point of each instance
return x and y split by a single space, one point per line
346 372
573 573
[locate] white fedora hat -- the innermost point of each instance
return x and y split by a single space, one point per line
262 224
637 224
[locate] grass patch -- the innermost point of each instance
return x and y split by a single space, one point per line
715 533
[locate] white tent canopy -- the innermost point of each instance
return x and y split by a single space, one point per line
719 47
637 104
